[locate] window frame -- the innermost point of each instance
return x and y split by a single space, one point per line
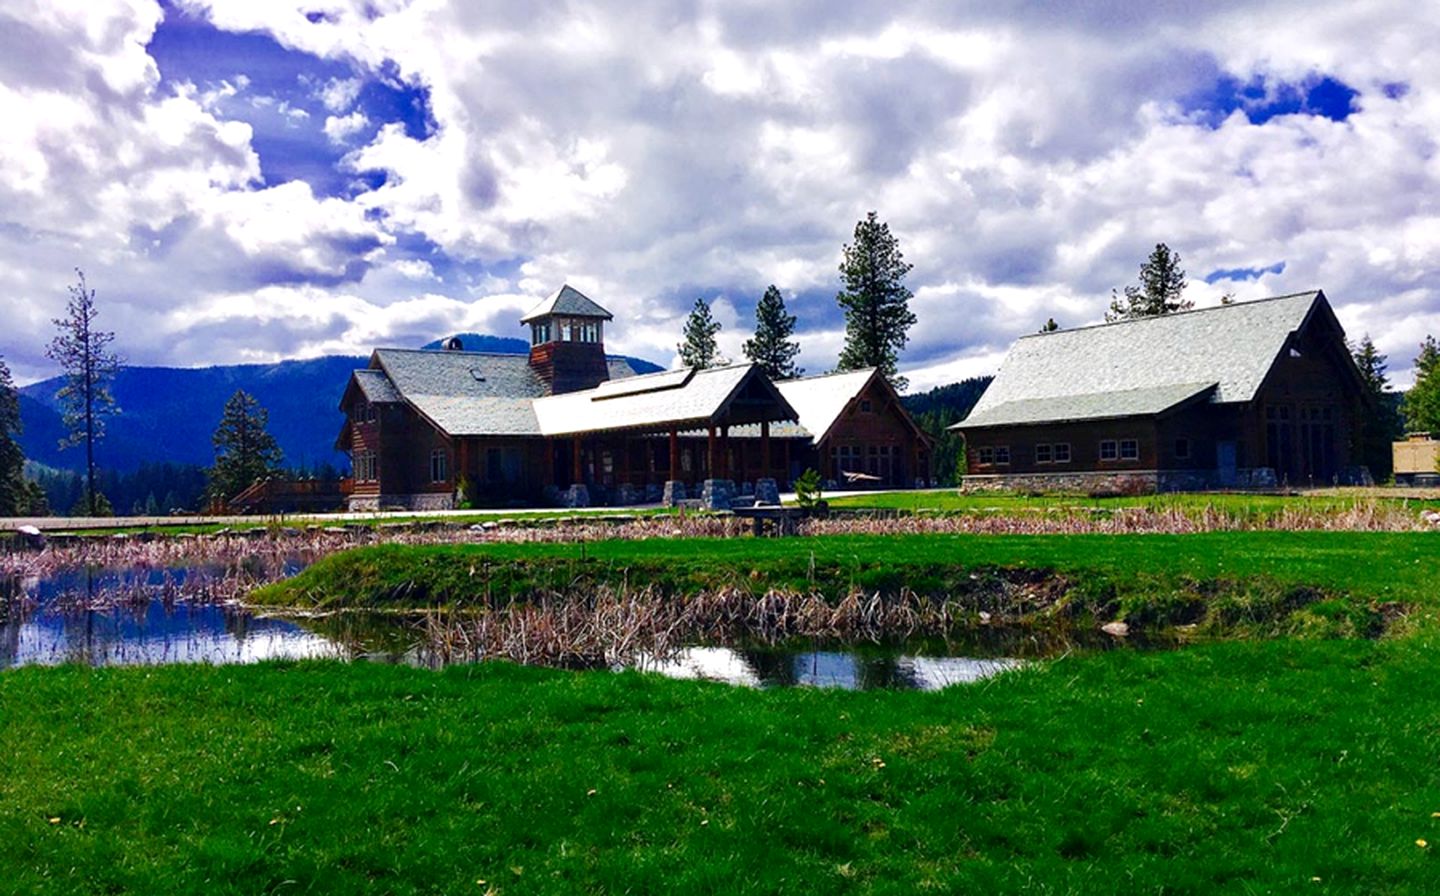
439 466
1182 442
1113 454
1055 449
1134 445
1044 453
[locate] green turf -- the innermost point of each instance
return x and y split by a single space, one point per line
1240 504
1146 570
1267 767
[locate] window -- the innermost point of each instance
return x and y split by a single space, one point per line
540 333
1062 452
985 456
565 331
439 466
1182 449
1129 449
1002 454
1043 454
865 406
365 466
1109 450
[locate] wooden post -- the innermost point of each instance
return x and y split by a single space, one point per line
765 471
785 477
710 460
674 454
576 470
724 452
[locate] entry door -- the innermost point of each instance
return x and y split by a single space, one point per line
1225 462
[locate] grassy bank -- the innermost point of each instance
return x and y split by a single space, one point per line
1247 767
1342 577
1238 504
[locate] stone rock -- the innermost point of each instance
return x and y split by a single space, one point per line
1116 629
674 493
627 494
578 496
767 492
717 494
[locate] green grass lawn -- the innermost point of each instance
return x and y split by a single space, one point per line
952 501
1368 566
1277 766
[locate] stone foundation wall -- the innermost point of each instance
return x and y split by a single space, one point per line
422 502
1128 482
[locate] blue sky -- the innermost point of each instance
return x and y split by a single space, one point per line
249 181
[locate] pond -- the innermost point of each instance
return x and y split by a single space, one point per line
149 615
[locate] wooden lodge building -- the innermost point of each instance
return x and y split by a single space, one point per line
567 425
1253 394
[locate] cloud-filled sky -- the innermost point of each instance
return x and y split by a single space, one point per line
250 180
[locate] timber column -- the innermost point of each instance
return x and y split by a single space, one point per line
674 488
579 495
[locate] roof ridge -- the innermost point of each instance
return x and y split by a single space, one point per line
821 376
442 351
1173 314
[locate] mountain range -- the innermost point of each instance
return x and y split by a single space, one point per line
169 414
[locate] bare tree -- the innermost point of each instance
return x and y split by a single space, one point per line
83 352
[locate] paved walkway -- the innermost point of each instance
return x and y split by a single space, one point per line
65 524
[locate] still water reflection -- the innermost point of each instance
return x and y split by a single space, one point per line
148 617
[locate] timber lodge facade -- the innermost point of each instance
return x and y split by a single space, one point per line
1249 395
567 425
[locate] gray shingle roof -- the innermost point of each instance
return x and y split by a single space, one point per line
1095 406
1141 366
819 400
702 395
569 302
376 387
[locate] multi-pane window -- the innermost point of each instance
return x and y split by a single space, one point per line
985 455
439 466
1062 452
1043 454
365 466
1129 449
1002 454
1052 453
1109 450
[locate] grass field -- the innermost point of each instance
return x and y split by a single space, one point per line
1366 565
952 501
1277 766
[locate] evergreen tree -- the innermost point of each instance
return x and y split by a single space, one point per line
875 300
699 349
1161 289
1050 326
82 351
771 347
1379 424
1422 402
18 496
244 450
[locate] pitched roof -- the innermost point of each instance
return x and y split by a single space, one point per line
569 302
658 400
376 387
1142 366
470 393
819 400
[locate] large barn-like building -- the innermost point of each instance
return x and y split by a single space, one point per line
567 425
1252 394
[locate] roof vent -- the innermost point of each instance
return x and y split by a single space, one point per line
478 374
453 344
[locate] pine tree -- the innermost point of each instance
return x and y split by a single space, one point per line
244 450
1422 402
699 349
771 348
1050 326
875 300
1161 289
15 491
82 351
1379 424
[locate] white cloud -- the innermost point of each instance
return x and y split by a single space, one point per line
650 153
340 129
